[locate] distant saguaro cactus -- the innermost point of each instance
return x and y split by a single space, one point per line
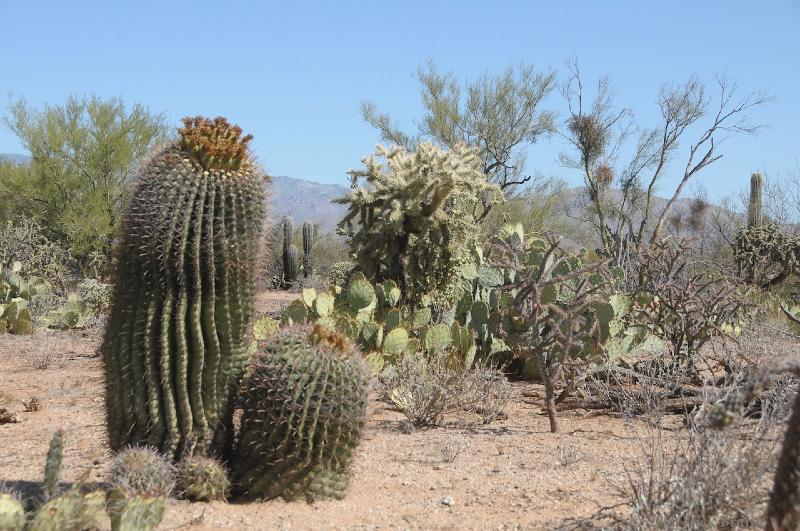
755 211
308 245
173 349
289 253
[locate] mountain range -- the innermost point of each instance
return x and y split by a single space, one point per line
306 200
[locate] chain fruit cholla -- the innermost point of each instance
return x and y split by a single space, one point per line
186 264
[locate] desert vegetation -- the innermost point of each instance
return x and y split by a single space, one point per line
455 308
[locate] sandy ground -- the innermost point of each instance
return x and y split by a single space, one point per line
511 474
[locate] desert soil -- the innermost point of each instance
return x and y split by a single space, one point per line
510 474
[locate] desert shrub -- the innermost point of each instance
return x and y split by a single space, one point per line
94 295
427 388
682 303
339 273
413 220
25 242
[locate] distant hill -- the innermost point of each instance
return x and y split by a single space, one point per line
306 201
301 199
311 201
16 158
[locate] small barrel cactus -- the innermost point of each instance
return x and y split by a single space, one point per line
304 407
202 479
174 347
308 245
12 514
142 471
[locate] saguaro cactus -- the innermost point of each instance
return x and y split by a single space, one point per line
289 252
755 212
173 349
308 244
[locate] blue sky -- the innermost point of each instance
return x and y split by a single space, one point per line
294 73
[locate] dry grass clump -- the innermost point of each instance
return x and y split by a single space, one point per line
426 389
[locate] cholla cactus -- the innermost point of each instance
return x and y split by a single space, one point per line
765 255
414 219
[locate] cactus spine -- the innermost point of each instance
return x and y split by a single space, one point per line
308 244
304 407
755 212
289 252
173 350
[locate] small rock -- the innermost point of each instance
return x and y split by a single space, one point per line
448 501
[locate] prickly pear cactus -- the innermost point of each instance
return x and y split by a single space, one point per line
304 407
174 347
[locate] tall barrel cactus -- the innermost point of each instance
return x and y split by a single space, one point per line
308 245
755 210
304 407
289 252
173 349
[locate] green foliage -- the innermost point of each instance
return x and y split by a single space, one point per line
12 514
498 115
174 347
304 407
142 471
413 220
83 153
202 479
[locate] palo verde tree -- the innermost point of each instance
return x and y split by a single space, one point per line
497 115
83 154
622 202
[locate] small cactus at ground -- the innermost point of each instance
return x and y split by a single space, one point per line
202 479
53 464
755 211
308 245
175 344
142 471
304 407
12 514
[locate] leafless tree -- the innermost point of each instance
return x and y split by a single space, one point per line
598 132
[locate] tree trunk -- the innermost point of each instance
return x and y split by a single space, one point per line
783 512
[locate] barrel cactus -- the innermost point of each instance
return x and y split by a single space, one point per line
173 350
304 407
202 479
